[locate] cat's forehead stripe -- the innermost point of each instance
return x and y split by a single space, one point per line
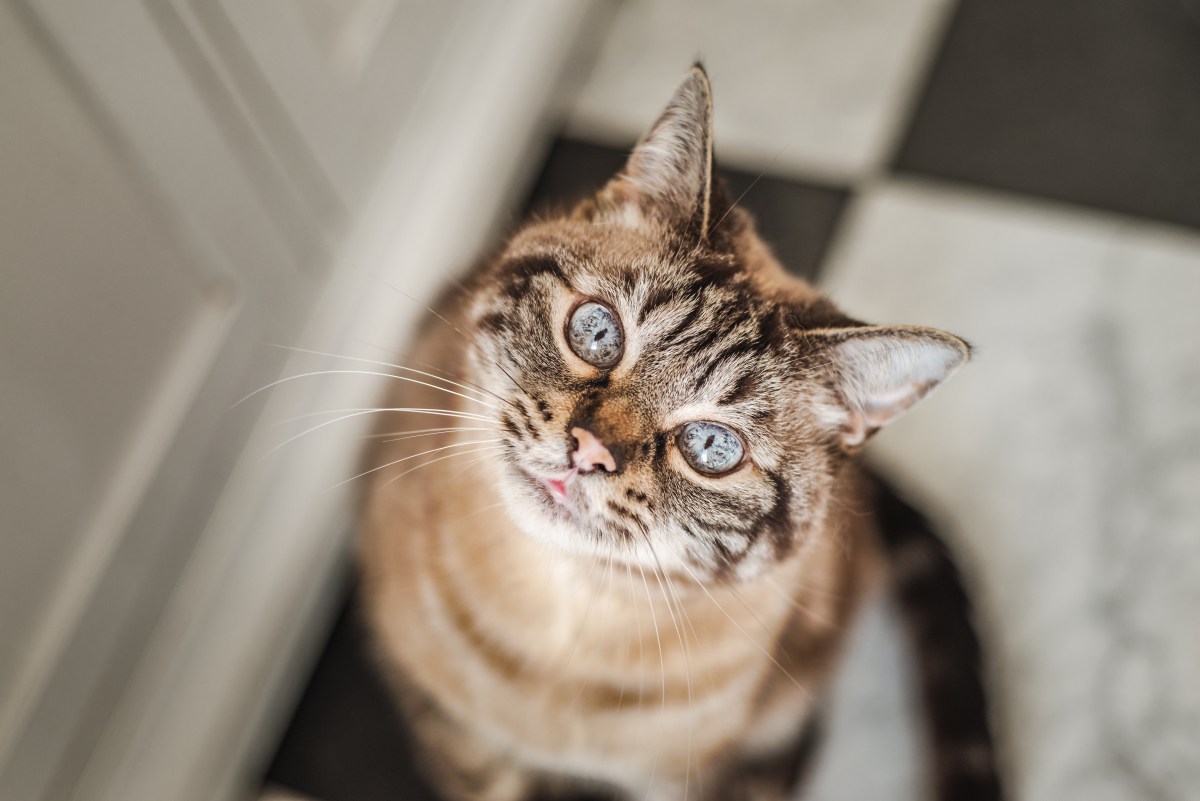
746 347
520 274
657 297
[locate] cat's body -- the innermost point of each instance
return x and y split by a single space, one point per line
554 658
591 587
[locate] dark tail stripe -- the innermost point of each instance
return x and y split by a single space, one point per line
930 593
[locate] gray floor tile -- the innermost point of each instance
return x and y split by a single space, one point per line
1088 101
345 741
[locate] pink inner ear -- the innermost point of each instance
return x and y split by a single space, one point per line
884 372
881 409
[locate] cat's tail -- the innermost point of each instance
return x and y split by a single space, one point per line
929 591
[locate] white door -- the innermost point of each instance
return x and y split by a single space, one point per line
181 184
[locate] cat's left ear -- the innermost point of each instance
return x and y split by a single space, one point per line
669 174
879 372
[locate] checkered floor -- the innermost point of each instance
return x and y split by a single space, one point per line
1024 173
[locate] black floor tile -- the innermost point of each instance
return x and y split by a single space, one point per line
1087 101
345 741
796 219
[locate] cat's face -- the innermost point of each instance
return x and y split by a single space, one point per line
689 355
671 401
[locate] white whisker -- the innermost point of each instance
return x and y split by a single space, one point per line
745 633
400 436
447 375
668 592
363 372
385 364
368 409
579 638
416 456
319 426
470 342
433 367
662 665
471 464
628 640
637 616
439 459
799 607
469 416
480 511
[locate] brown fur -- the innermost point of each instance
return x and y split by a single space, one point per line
673 629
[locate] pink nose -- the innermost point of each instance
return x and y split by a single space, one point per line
590 453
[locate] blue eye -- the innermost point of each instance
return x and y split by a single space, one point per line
709 448
595 335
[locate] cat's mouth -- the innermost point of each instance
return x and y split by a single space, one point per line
557 488
554 487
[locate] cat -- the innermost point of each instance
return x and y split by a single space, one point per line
625 555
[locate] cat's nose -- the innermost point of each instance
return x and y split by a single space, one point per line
590 454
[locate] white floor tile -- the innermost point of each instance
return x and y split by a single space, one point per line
873 720
818 86
1066 458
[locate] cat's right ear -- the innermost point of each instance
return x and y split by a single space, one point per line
876 373
669 175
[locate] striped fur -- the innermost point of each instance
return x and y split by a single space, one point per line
661 633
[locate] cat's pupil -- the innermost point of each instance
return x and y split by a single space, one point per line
600 335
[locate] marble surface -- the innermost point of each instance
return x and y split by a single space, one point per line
1064 464
810 87
873 741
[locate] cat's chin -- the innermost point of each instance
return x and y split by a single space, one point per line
559 522
543 511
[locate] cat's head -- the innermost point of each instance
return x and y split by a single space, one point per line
673 399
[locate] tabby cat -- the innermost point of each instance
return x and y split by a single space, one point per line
628 566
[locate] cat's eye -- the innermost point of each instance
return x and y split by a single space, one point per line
710 448
595 335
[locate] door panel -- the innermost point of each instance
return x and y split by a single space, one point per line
105 328
332 81
183 183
